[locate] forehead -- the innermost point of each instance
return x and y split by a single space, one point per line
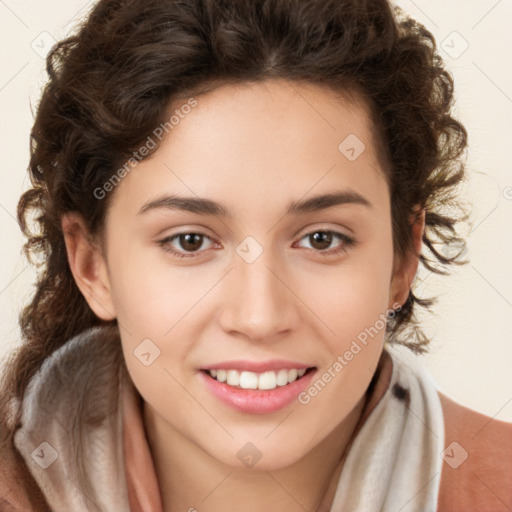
278 107
253 137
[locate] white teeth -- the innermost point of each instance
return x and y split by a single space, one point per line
282 378
248 380
252 380
267 380
233 378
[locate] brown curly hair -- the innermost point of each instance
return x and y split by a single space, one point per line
111 83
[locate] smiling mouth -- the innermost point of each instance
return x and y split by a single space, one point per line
259 381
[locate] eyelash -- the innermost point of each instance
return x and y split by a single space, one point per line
348 242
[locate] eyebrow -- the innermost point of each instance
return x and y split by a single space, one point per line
204 206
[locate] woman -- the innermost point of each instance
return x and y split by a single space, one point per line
232 200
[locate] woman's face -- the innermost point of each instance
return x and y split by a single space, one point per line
258 233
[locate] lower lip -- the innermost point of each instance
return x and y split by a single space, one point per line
255 401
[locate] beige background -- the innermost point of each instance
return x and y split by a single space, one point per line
471 352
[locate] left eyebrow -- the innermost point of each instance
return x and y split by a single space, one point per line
325 201
203 206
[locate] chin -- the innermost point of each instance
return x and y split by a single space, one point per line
264 455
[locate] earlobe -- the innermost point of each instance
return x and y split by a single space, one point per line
405 270
88 266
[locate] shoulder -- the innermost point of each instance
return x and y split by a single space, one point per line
18 490
13 496
477 461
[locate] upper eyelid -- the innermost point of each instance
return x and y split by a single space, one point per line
304 231
338 231
299 234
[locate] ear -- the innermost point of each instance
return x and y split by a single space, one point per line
88 266
406 267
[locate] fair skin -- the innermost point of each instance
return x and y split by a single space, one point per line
254 149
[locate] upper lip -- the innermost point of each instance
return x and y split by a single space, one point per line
257 366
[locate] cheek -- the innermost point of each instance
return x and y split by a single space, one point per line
353 303
148 294
353 295
354 307
156 308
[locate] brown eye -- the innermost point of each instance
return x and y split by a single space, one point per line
190 241
324 242
184 245
320 240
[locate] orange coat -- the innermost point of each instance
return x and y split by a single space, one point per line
483 482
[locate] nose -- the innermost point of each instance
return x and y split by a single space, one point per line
259 302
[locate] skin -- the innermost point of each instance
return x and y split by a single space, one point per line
254 148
